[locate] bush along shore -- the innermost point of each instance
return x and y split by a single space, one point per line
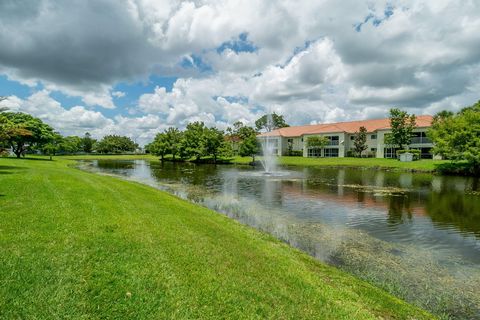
80 245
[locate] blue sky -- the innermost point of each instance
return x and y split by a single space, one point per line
144 67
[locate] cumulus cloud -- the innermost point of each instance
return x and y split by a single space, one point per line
78 120
314 61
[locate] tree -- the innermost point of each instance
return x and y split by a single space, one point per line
160 145
233 136
249 145
360 141
174 139
213 142
270 122
88 142
316 142
115 144
193 141
26 131
442 115
402 125
71 144
51 148
457 137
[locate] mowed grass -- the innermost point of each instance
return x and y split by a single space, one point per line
83 246
423 165
420 165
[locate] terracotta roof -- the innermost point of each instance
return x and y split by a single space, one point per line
348 127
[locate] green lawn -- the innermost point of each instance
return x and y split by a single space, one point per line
109 157
85 246
421 165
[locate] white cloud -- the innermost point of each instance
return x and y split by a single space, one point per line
78 120
313 60
118 94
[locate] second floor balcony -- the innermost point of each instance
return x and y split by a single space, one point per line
332 143
420 140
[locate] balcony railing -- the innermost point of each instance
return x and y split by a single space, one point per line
332 143
420 140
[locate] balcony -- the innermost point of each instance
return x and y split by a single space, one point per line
332 143
420 140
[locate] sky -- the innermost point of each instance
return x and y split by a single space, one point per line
136 67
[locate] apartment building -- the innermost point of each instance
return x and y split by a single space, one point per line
341 138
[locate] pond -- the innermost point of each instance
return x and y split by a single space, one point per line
415 235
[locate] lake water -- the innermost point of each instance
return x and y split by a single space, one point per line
415 235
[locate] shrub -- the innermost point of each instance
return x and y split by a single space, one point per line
295 153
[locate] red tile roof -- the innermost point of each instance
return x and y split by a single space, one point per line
348 127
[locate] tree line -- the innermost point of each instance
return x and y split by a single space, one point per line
456 136
23 133
198 141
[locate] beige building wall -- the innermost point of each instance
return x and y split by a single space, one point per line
345 142
340 146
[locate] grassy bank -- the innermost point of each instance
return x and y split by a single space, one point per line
80 245
421 165
379 163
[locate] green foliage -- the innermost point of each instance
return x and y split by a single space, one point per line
276 122
25 132
159 146
316 142
71 144
174 138
295 153
402 125
214 142
115 144
360 141
442 115
88 142
243 138
249 146
51 148
423 165
193 141
457 137
5 125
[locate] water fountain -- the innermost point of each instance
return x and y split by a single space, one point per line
269 146
269 159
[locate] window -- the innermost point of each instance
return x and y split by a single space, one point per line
290 141
332 140
390 152
352 137
420 137
314 152
330 152
373 136
373 149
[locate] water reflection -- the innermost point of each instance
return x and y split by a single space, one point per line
416 235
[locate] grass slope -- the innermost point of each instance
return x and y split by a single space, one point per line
85 246
421 165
